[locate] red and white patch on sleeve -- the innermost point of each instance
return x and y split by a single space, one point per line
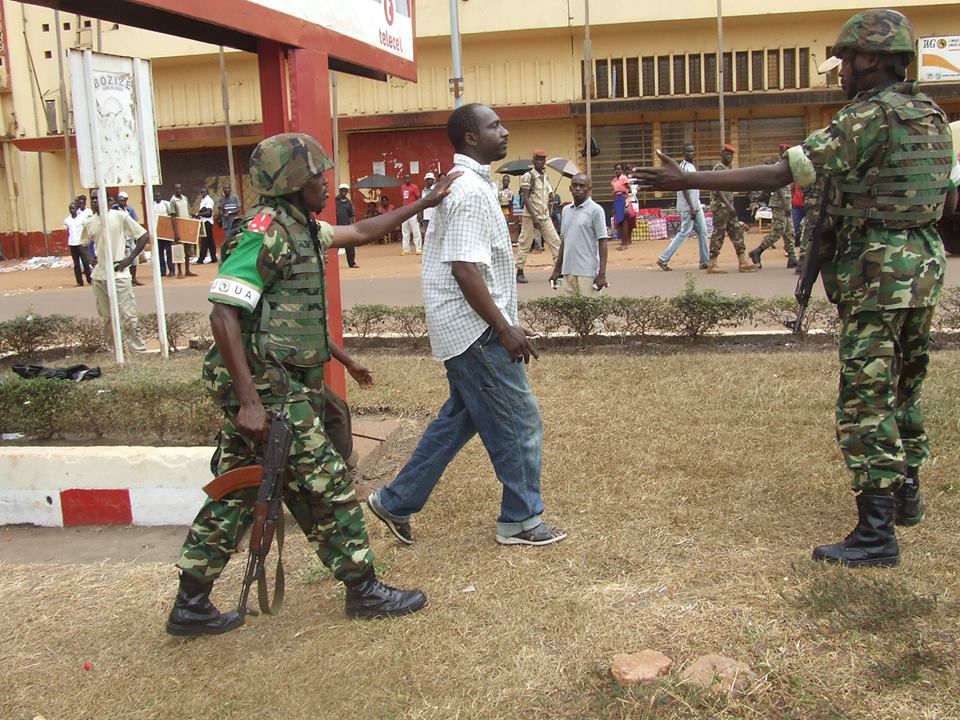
260 223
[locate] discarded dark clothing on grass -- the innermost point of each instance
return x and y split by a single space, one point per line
74 372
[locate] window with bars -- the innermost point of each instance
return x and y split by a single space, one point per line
696 73
602 78
760 138
756 62
710 77
789 68
679 74
631 144
663 75
633 77
704 134
649 74
742 71
773 69
617 80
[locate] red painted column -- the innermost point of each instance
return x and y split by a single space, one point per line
310 109
273 87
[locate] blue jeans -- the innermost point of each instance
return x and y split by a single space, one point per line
799 213
687 222
489 395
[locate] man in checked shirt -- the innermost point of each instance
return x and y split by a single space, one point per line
470 296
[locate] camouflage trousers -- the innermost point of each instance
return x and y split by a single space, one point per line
884 357
781 229
725 222
317 490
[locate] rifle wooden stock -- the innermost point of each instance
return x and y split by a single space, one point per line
232 480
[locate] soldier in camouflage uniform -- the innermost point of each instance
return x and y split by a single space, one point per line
890 173
725 220
781 225
811 200
270 330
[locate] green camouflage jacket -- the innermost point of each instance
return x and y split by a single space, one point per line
875 267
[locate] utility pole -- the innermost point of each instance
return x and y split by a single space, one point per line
720 74
456 82
588 76
64 109
225 92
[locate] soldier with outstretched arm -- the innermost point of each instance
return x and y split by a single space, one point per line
890 173
269 324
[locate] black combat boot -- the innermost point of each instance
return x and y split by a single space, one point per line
194 614
755 256
367 597
521 278
872 542
792 262
909 507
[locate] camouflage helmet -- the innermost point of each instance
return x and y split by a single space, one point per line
283 164
884 32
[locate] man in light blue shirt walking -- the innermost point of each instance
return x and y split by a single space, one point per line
691 216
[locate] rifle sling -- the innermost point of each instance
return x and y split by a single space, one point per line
279 585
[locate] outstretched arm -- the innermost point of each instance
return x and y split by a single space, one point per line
669 177
374 228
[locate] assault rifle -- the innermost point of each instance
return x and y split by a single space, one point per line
267 513
823 232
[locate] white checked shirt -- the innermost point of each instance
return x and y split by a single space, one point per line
468 226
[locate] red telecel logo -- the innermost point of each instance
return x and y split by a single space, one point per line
388 11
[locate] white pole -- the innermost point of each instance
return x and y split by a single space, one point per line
225 92
588 70
720 81
107 258
455 50
139 85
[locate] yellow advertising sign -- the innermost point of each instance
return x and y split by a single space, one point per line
938 59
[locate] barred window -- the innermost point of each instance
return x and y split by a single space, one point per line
663 74
603 79
710 83
696 76
789 68
679 74
756 61
648 76
773 70
742 71
633 77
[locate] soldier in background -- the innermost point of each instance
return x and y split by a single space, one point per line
269 325
725 220
781 227
891 174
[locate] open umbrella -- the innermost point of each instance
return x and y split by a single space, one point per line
514 167
563 166
376 182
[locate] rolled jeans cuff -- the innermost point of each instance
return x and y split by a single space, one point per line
506 529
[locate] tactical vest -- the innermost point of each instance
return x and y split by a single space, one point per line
907 188
293 310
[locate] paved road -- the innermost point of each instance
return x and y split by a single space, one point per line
635 282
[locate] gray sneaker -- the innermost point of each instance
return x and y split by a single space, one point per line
542 534
401 530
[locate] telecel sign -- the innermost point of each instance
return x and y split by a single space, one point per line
383 24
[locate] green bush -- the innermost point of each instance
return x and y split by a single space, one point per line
132 408
694 313
181 326
820 315
410 320
26 335
639 316
583 315
366 320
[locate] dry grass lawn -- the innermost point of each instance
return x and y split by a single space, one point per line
693 487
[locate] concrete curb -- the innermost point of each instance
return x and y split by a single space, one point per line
71 486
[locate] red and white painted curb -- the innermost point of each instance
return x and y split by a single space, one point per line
70 486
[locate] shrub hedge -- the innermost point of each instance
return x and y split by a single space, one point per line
691 314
